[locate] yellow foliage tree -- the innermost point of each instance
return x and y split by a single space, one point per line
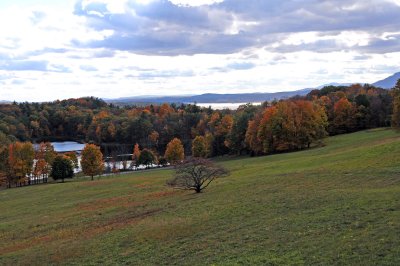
92 160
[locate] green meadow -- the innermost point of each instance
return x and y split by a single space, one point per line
334 205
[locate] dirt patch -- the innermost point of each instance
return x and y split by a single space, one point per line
120 222
25 245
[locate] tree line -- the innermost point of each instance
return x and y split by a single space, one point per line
276 126
23 164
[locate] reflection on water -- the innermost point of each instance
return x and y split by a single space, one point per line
67 146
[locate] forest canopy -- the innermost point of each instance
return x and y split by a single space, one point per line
284 125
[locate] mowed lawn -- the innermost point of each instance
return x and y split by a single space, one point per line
335 205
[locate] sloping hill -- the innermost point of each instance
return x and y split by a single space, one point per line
388 82
335 205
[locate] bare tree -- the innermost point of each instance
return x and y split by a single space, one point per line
196 174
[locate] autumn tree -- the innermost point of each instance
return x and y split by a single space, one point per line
3 179
174 152
136 154
310 122
236 138
196 174
73 158
199 147
4 143
44 156
209 138
267 129
395 92
290 125
165 110
62 168
253 142
20 162
111 130
92 160
220 127
344 116
153 137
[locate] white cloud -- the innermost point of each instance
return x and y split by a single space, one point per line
115 50
193 3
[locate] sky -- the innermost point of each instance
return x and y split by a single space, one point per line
53 49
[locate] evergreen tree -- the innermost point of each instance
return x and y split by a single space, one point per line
62 168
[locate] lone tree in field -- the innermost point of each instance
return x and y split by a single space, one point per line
174 152
196 174
92 160
62 168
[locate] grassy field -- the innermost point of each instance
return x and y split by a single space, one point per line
338 204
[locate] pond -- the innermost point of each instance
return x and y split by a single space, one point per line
67 146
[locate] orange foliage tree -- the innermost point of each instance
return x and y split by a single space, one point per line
174 152
220 127
288 125
45 155
136 154
20 162
252 140
344 116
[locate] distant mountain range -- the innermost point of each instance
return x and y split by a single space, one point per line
212 98
388 82
335 84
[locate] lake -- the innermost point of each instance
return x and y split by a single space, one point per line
67 146
220 106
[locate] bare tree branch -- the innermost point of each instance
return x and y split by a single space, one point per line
196 174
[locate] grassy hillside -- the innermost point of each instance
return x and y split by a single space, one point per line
339 204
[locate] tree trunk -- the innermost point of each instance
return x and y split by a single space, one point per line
92 178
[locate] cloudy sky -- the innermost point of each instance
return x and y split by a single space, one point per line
114 48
